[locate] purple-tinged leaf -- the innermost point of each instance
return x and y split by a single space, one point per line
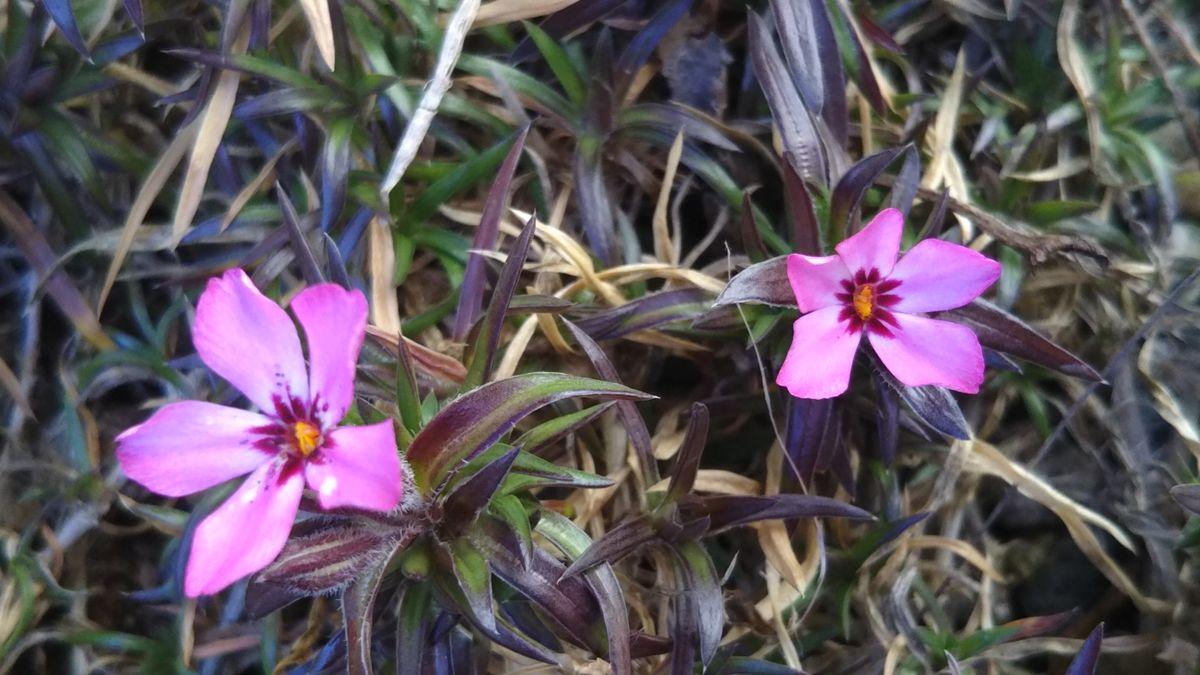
1088 658
744 665
813 435
280 102
601 108
806 231
671 118
683 630
604 585
874 32
935 406
642 645
647 39
849 191
335 171
548 433
864 75
479 418
64 17
310 269
474 580
509 510
796 24
937 217
412 627
634 424
466 497
834 111
687 460
567 604
880 535
952 664
592 202
335 265
752 241
997 361
728 511
133 8
887 418
565 22
801 142
539 304
358 616
1006 333
908 180
470 295
1188 496
483 352
645 313
323 559
701 587
764 283
626 537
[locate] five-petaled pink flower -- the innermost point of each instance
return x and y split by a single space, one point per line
189 446
865 289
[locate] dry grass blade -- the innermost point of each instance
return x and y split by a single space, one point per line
317 13
1074 64
151 187
60 287
435 89
985 458
255 185
12 384
211 129
945 125
507 11
381 263
664 249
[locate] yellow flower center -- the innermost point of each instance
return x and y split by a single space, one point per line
864 301
307 437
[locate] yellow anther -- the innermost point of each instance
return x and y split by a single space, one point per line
308 438
864 301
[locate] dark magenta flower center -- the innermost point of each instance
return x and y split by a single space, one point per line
866 298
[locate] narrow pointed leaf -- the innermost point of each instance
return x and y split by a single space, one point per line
648 38
813 434
64 17
726 511
1086 660
593 202
511 511
764 283
620 541
412 627
935 406
358 610
1006 333
133 8
548 433
483 352
635 425
650 311
1188 496
470 296
801 142
475 580
309 267
849 191
604 585
479 418
687 460
702 587
806 231
335 171
796 25
464 501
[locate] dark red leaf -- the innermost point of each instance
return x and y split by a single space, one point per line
634 424
813 435
650 311
483 352
466 498
726 511
849 191
806 231
701 593
934 406
1006 333
1188 496
628 536
470 294
687 459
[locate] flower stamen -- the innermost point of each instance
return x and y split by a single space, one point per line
307 438
864 301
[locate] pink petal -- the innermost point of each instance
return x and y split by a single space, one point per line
924 351
876 245
189 446
936 275
250 341
816 280
822 352
334 322
247 532
358 467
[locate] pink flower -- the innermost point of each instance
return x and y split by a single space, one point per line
192 445
864 289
